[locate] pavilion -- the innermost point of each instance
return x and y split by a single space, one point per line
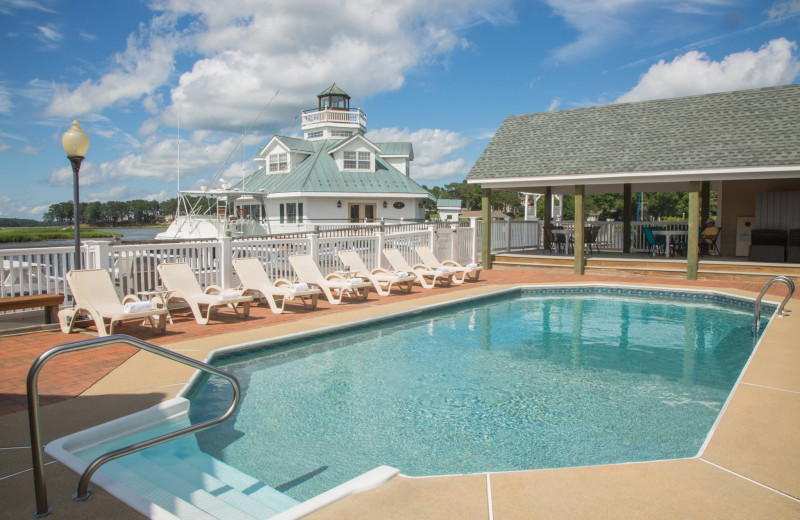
745 145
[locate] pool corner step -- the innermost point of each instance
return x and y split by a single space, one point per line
184 491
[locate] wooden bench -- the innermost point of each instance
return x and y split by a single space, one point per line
50 302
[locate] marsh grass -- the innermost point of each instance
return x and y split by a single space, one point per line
38 234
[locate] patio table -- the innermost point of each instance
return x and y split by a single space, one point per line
668 235
567 234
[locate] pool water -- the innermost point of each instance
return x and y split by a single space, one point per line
523 381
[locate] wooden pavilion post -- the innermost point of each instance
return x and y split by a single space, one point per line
548 215
486 228
692 234
580 259
627 209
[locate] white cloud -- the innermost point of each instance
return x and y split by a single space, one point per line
431 149
783 10
48 32
440 171
252 49
695 73
156 159
113 193
9 6
144 66
601 23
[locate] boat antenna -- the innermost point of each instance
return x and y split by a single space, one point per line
219 171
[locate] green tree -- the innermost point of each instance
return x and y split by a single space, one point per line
168 207
94 213
506 201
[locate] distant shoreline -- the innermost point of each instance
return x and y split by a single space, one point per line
58 235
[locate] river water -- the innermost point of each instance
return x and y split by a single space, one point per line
128 235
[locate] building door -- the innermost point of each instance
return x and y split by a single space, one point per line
362 212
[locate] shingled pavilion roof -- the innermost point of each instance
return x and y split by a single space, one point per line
746 134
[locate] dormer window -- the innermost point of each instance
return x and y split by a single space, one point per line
278 162
357 160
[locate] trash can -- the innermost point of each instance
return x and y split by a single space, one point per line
743 227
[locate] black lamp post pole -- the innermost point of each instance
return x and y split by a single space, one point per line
76 166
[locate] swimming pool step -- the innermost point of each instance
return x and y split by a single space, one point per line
174 480
208 472
181 489
244 483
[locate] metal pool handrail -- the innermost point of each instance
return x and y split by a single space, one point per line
757 313
84 493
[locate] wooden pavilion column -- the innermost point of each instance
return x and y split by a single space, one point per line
692 234
486 228
627 209
580 259
548 214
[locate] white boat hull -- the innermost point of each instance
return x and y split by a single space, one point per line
199 227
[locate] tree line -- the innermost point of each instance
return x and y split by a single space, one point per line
111 213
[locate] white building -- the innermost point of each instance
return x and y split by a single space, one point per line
333 175
449 209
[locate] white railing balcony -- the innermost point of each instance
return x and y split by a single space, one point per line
354 117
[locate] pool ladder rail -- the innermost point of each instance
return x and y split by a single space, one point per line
84 493
757 312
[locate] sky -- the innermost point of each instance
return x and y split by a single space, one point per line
182 93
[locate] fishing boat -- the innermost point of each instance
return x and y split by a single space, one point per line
215 213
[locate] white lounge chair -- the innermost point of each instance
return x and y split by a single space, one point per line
254 279
179 279
468 271
382 279
426 276
307 271
95 296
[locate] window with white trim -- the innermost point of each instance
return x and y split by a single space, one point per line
291 213
315 134
357 160
341 133
364 160
278 162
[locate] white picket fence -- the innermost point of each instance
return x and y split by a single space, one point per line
133 266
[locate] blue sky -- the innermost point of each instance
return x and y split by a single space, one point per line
442 74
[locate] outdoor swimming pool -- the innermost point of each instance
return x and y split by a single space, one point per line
537 378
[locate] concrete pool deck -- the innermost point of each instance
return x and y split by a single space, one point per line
749 469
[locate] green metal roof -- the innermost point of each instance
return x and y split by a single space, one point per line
449 203
333 90
319 173
397 149
731 130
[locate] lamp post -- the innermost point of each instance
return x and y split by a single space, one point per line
76 143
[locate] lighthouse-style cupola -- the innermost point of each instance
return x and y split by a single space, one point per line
334 97
333 118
